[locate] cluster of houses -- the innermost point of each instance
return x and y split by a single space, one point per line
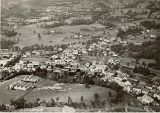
130 85
144 92
150 91
72 53
98 49
25 83
6 56
93 29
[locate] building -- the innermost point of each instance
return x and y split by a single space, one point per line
145 99
59 61
145 91
157 94
138 43
149 86
136 90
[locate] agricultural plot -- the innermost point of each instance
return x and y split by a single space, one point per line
68 90
28 35
34 59
6 94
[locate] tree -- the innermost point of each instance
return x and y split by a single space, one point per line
86 85
11 102
112 101
52 102
157 58
57 99
2 107
37 99
35 104
93 104
135 69
143 63
137 60
103 103
29 105
119 96
81 98
19 103
69 100
96 96
110 94
39 36
83 43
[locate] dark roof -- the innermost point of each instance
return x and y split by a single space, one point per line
149 85
142 84
151 93
145 89
133 79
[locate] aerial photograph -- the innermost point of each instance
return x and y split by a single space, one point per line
80 56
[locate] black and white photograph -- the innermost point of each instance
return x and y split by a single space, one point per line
80 56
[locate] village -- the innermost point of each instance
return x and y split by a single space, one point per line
66 49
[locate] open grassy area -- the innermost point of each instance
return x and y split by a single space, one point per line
39 59
75 91
140 60
83 17
28 37
6 94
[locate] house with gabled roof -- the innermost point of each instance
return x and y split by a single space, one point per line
145 99
149 86
145 91
157 94
142 84
136 89
151 94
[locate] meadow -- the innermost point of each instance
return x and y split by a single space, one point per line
28 37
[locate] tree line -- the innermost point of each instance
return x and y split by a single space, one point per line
10 33
143 70
56 24
119 48
149 50
150 24
81 22
130 31
7 44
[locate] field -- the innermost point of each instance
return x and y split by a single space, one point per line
75 91
132 65
6 95
140 60
46 90
39 59
118 12
84 17
28 37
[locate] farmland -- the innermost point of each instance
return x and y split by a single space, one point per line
46 94
6 94
28 35
115 68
